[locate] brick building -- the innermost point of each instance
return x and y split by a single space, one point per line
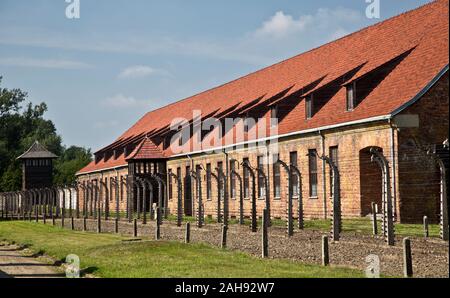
383 87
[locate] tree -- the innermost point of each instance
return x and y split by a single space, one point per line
20 126
73 159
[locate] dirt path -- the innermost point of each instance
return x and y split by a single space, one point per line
14 264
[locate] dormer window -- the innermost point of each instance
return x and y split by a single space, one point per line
351 96
98 157
309 106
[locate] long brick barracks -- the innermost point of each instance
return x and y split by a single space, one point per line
384 89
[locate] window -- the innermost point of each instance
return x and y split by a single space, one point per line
246 180
312 173
261 181
170 185
295 187
208 182
334 156
221 184
276 177
351 96
233 180
309 106
274 116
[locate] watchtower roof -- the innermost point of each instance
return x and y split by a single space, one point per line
37 150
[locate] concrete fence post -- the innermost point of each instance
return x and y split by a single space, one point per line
426 230
187 236
85 224
325 251
99 223
116 225
265 238
407 258
374 219
158 224
224 236
135 228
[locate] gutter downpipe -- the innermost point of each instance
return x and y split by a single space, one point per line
324 178
394 167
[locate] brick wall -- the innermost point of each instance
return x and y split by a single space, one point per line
416 187
106 176
350 143
418 175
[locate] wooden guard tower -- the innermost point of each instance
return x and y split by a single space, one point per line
37 167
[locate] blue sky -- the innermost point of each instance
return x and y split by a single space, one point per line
99 74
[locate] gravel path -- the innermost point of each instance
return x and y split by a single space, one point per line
430 256
14 264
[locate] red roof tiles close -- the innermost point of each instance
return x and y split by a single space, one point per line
146 150
416 40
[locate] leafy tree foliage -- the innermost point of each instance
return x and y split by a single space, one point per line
71 161
20 126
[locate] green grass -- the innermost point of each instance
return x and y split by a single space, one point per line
106 255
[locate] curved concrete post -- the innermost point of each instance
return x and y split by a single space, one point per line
241 197
200 212
254 213
301 224
179 198
289 209
388 217
219 204
267 193
104 197
443 221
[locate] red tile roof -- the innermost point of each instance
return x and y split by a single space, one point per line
110 163
418 37
146 150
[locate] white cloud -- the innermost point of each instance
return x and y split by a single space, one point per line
338 33
122 101
283 25
297 32
140 71
43 63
